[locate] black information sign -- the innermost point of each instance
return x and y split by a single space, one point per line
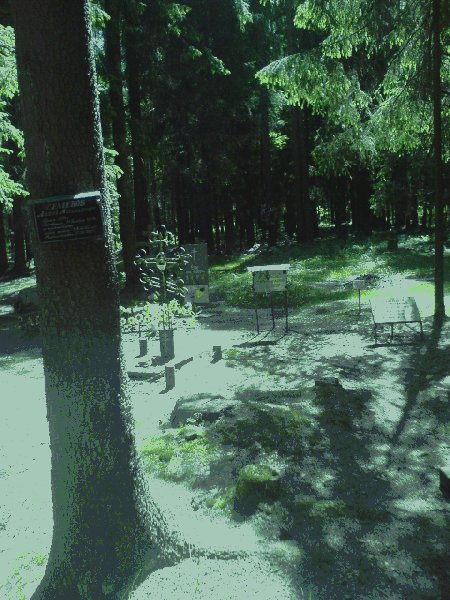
64 218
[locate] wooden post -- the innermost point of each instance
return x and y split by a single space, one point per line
170 377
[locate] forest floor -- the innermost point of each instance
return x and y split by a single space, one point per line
356 511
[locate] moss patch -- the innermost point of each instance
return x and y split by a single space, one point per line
223 500
255 484
173 457
272 427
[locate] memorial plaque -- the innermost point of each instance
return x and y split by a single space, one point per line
195 274
360 284
269 278
65 218
197 294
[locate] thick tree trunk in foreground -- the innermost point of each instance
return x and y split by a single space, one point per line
101 521
119 131
439 307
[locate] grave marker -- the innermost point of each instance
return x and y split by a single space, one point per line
69 217
195 274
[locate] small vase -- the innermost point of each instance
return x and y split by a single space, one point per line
166 346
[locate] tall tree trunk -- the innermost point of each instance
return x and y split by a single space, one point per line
153 205
216 230
439 306
265 175
102 521
118 122
180 208
306 218
229 224
141 203
20 261
362 216
3 254
249 210
206 201
339 201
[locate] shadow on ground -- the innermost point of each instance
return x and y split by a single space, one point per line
13 340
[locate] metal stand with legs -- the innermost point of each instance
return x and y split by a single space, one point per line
268 279
272 311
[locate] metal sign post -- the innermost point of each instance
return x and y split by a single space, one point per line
266 280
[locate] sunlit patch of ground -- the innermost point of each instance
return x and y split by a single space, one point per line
367 519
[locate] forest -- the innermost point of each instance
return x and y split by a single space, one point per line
239 122
247 201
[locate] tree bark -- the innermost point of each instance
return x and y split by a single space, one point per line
104 524
306 219
3 254
230 233
265 172
339 201
20 261
439 306
119 131
141 203
362 216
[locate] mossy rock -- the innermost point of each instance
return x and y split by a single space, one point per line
255 484
273 427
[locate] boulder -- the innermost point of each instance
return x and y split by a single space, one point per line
201 407
255 484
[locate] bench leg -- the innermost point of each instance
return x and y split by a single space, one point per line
392 332
421 330
272 311
286 309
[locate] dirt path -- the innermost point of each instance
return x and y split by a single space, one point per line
390 544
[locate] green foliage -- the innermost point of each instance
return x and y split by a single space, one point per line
176 15
113 172
8 72
224 500
10 136
172 457
322 261
243 12
150 316
323 84
99 17
365 68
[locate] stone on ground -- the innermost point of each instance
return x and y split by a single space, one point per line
201 407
